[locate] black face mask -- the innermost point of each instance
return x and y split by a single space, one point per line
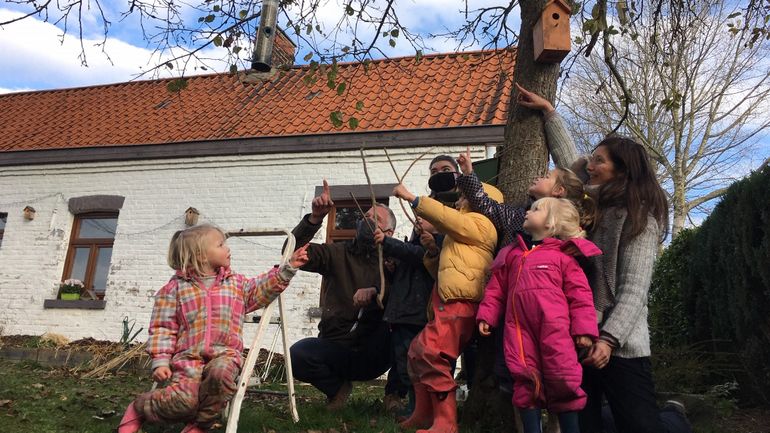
442 182
364 234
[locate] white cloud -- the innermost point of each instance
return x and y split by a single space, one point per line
36 56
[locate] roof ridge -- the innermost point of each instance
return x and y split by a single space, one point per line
294 67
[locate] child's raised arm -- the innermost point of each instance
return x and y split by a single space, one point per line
468 228
263 289
403 251
501 214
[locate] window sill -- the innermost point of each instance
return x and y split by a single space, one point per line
81 304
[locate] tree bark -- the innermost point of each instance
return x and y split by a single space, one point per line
523 157
679 206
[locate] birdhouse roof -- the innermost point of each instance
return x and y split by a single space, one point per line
560 3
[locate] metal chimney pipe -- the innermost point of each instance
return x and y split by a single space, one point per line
263 52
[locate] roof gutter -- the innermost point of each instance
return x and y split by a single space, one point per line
466 135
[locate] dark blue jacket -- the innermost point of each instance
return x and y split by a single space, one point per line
411 284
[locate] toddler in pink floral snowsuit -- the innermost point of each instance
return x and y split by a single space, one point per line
195 330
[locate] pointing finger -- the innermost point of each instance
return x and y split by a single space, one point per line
326 187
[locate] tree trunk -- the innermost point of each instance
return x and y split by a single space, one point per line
523 157
679 206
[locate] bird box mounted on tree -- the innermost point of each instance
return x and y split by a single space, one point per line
550 35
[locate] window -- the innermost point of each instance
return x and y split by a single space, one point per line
342 219
90 250
3 220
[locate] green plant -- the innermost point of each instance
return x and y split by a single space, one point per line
126 338
713 285
71 286
668 320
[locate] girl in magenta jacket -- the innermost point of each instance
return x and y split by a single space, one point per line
549 311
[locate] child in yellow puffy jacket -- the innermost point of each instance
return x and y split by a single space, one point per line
462 266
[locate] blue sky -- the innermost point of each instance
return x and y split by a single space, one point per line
36 56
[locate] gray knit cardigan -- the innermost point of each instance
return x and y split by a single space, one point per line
624 271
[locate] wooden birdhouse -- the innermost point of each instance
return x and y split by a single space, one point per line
550 36
191 216
29 213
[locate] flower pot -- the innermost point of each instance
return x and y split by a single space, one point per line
70 296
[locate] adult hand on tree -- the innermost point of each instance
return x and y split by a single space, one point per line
533 101
321 205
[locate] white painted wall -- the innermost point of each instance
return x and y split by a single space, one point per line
239 192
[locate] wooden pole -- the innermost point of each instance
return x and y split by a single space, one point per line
287 362
380 260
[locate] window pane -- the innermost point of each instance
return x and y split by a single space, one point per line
101 268
80 264
3 219
98 227
346 218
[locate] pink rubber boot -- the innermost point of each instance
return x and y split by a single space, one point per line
132 420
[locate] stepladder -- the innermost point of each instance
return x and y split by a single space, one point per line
233 414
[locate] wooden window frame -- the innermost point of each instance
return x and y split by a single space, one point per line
338 235
341 195
93 243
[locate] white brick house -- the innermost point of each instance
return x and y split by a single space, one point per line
215 149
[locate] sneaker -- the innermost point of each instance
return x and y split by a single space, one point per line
676 406
393 404
338 401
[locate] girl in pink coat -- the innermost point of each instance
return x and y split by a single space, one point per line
549 311
195 330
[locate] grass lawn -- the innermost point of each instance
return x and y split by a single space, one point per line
39 399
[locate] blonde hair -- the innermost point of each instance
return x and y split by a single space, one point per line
187 249
562 218
574 191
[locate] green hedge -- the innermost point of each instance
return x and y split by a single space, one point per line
712 284
669 321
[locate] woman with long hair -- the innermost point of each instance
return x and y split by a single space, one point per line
631 221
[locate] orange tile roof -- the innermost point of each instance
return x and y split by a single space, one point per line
439 91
